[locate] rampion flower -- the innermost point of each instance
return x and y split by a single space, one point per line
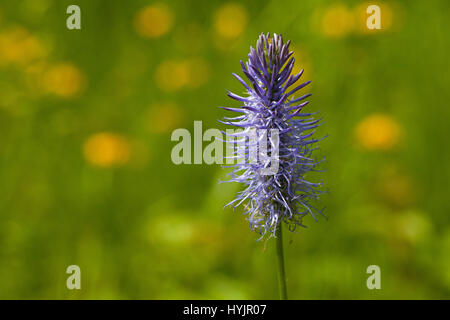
270 104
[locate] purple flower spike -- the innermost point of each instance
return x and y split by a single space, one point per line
270 104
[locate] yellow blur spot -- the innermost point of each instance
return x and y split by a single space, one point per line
396 187
230 20
412 226
337 21
154 21
20 47
174 231
106 150
164 117
361 16
172 75
378 132
64 80
198 72
33 77
33 10
181 230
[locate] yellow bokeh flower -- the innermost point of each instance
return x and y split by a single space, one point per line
64 80
164 117
154 21
33 77
396 187
378 132
337 21
106 150
412 226
172 75
19 46
230 20
198 72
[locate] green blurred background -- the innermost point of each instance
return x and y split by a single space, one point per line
86 176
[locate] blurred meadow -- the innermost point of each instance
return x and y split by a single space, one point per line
86 176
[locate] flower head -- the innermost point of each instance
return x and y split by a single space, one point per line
283 195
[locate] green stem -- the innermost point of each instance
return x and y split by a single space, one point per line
280 258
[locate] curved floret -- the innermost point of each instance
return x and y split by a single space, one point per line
277 190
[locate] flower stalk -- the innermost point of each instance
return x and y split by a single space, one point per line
280 264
